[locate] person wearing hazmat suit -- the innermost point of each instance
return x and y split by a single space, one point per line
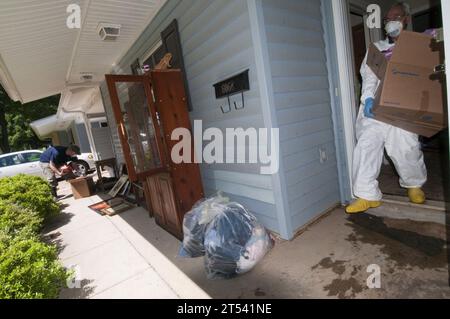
373 136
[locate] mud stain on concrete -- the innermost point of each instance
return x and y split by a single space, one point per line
356 270
340 287
406 248
338 266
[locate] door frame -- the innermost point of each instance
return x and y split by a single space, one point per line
445 8
345 93
344 82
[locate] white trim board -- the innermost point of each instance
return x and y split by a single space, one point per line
264 75
346 90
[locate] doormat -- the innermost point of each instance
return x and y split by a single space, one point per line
111 206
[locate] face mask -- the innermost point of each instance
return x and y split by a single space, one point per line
393 28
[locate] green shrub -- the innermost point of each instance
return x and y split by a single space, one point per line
14 219
29 268
30 192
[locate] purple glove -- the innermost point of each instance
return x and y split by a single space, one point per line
431 32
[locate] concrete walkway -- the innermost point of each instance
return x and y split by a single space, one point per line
129 256
111 259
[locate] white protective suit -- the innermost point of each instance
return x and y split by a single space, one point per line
373 136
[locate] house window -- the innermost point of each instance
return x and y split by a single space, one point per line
10 160
170 43
155 57
95 124
31 157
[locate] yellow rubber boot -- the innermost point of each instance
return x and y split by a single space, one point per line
416 195
361 205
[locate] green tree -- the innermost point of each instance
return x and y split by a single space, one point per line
15 118
4 143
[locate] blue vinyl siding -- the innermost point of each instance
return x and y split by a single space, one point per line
219 40
216 43
298 65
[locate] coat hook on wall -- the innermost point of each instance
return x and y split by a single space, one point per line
243 104
229 107
232 86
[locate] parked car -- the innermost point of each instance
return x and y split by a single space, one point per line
27 162
86 162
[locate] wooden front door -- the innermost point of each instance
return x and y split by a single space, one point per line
171 104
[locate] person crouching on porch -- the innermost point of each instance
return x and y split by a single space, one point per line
52 161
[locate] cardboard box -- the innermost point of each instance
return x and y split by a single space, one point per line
82 187
407 97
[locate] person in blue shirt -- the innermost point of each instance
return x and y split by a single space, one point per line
53 159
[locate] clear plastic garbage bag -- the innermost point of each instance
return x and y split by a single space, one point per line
234 242
195 222
259 244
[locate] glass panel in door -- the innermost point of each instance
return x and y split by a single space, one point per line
139 126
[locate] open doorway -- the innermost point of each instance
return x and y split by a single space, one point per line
426 14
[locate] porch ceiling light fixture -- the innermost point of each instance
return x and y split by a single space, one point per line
108 31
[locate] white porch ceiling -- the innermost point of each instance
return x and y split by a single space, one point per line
40 55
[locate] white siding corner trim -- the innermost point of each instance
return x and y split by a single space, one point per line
266 95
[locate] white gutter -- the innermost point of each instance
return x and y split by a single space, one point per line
87 125
43 127
69 99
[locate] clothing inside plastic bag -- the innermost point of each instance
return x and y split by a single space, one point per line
195 222
234 243
257 247
229 236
